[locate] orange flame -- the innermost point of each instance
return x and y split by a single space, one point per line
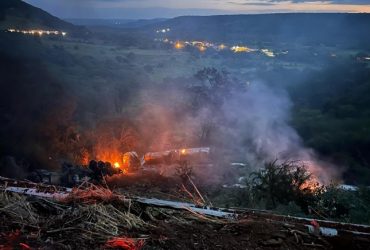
311 185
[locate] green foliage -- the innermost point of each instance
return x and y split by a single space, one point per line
332 116
349 206
210 89
281 184
287 188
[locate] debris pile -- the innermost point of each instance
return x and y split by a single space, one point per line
98 218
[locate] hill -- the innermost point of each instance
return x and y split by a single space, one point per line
331 29
116 23
20 15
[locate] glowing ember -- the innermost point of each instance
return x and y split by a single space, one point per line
125 243
310 185
116 165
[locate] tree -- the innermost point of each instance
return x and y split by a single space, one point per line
282 183
211 88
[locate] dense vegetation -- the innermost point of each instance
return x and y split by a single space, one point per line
332 115
288 188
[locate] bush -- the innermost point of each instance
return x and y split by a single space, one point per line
349 206
282 183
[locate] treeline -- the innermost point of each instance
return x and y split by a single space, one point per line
331 113
331 29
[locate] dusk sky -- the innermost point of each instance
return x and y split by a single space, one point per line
132 9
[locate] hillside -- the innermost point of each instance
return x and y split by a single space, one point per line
116 23
331 29
20 15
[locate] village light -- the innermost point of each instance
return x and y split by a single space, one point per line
222 47
38 32
179 45
239 49
268 53
202 48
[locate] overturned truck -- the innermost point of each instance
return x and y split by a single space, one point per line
169 157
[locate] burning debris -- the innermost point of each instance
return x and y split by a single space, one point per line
177 156
96 171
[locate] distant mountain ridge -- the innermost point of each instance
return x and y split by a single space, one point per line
20 15
116 23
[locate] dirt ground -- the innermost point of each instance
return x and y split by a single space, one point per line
97 218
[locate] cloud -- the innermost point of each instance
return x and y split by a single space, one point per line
144 9
352 2
276 2
253 3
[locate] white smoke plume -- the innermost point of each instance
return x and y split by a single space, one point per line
259 122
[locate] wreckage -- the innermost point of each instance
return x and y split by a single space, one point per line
95 171
186 156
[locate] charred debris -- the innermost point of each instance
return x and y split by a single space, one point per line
39 216
73 175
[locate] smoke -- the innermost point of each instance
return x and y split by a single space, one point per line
259 124
79 122
242 122
11 168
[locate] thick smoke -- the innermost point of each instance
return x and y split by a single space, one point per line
259 124
249 123
77 123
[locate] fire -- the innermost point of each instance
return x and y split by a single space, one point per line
311 184
117 165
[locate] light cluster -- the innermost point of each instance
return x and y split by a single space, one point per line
202 46
38 32
163 30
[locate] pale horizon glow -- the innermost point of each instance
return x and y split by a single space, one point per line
145 9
